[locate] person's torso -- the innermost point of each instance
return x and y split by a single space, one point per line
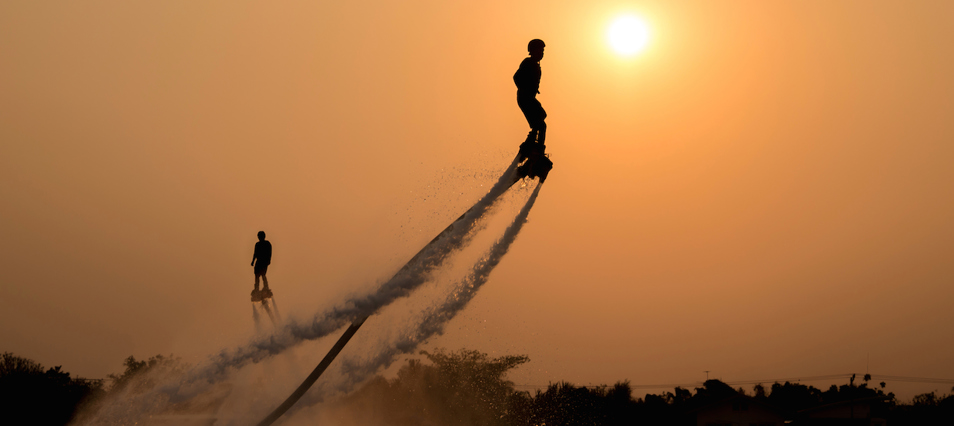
263 252
527 77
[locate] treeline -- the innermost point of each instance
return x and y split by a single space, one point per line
31 394
465 388
468 388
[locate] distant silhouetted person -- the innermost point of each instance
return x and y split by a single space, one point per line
527 79
260 260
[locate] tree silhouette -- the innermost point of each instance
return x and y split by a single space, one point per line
135 374
456 388
465 387
30 395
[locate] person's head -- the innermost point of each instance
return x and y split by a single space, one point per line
535 47
261 235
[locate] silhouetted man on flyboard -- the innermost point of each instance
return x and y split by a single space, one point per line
533 149
260 260
527 79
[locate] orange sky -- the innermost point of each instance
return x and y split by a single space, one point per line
765 192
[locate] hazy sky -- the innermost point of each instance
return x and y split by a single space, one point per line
764 192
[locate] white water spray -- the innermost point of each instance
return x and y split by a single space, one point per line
203 381
433 320
402 284
356 368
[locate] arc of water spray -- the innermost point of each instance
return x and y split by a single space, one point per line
412 275
435 318
480 273
353 311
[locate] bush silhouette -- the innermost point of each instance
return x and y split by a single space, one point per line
456 388
30 395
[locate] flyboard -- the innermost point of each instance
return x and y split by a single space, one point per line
532 162
261 295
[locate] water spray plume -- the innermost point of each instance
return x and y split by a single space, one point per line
409 277
433 322
202 382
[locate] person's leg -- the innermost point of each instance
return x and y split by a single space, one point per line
265 280
256 281
539 124
528 106
542 133
532 136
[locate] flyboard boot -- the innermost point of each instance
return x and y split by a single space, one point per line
535 161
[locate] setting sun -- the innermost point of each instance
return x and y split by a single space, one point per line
628 35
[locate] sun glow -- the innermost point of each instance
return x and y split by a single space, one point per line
628 35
